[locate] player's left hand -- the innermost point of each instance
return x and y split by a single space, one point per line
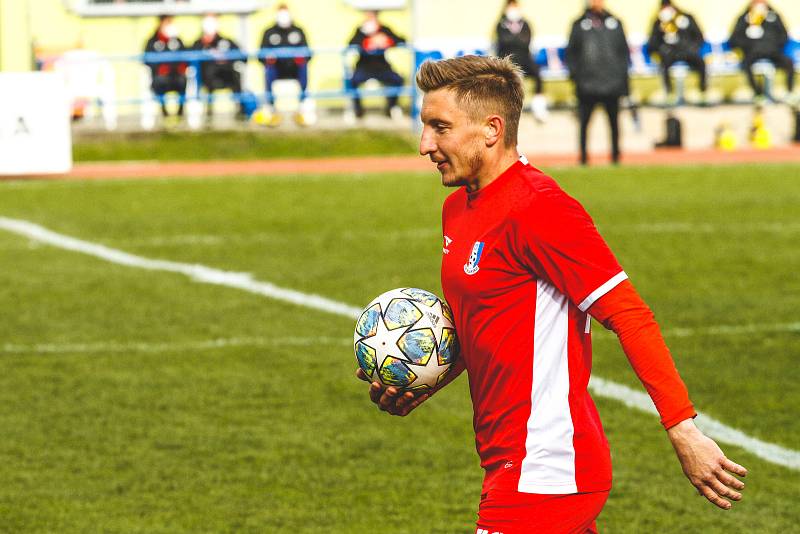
706 466
391 399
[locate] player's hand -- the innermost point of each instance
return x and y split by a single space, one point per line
705 465
391 399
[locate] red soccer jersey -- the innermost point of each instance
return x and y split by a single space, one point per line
522 263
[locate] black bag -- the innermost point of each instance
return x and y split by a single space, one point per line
674 137
797 125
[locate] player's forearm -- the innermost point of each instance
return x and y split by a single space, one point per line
624 312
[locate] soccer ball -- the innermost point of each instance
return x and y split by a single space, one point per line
405 338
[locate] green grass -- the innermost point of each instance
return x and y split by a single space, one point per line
119 417
240 145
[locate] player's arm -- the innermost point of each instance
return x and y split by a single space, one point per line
704 464
395 402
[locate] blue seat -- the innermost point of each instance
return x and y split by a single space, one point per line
792 49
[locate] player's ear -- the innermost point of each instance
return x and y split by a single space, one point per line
493 130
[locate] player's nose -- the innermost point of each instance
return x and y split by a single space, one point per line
426 143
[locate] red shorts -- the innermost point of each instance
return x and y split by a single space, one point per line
511 512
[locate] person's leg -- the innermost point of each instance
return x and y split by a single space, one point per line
697 64
586 104
270 75
666 62
391 79
302 79
612 109
785 63
747 67
359 77
178 84
159 87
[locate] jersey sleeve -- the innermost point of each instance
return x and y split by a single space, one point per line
559 242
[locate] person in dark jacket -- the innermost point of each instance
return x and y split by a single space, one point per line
373 39
285 34
169 76
218 73
597 57
514 39
760 35
676 37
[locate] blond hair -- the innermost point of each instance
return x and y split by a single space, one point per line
483 85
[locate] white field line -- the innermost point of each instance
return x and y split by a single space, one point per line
200 273
420 233
159 347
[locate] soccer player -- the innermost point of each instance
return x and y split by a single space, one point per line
170 76
597 57
373 39
676 37
220 73
514 36
286 34
761 35
524 269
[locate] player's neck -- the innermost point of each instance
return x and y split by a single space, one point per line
493 166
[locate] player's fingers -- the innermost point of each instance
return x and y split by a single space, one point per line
375 392
388 398
404 399
730 481
733 467
709 494
724 491
361 375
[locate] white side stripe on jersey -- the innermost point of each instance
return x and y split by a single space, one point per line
602 290
549 463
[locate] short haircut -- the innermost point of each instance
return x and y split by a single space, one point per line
484 85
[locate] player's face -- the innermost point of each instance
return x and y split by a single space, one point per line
451 138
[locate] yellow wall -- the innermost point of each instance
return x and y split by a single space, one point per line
328 23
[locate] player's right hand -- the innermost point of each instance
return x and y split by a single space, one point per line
390 399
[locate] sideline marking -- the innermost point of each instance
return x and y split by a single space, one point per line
157 347
244 281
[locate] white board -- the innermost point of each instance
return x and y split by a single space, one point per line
35 135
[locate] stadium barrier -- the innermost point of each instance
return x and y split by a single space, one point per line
93 79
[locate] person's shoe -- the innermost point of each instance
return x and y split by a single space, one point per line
396 113
300 119
539 108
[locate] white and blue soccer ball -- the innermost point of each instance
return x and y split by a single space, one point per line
406 338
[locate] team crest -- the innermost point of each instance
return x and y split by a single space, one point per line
471 267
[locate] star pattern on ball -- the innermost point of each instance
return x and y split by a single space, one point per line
385 343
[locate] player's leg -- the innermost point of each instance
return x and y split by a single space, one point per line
302 79
785 63
159 86
747 67
586 104
612 110
697 64
270 76
667 60
391 79
359 77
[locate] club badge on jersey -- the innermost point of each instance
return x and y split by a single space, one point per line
471 267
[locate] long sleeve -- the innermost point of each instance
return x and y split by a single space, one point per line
623 311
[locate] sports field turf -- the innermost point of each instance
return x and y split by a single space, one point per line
141 401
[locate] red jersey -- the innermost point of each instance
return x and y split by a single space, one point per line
522 264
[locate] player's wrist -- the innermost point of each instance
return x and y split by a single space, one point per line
683 430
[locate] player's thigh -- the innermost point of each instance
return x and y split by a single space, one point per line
509 512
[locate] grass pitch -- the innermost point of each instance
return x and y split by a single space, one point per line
140 401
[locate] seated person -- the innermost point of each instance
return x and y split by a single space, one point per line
676 37
167 76
218 73
373 39
514 39
761 35
285 34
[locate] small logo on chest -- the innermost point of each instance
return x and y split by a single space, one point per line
471 267
447 242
